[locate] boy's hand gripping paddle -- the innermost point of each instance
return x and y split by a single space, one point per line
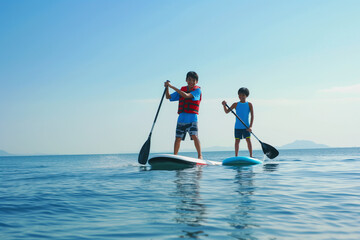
268 150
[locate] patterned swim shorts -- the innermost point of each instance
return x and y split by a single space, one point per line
183 128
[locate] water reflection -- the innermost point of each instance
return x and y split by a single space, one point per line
270 167
189 207
241 219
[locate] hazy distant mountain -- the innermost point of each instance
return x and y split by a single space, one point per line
3 153
303 144
217 148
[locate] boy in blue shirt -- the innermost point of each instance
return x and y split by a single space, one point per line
189 98
243 110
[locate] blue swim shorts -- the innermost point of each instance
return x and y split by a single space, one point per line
241 134
183 128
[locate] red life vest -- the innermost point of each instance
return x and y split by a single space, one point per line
187 105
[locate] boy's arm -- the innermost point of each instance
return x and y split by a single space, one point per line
182 93
226 110
168 96
251 115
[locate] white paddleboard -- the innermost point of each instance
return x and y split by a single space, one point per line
235 161
177 161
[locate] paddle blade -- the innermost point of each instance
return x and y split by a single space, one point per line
144 152
269 151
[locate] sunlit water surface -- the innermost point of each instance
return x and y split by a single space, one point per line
302 194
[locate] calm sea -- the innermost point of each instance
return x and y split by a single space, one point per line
302 194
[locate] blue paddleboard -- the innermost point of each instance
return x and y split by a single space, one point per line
235 161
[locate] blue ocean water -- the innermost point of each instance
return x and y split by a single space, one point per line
302 194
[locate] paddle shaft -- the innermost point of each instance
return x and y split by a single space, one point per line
145 150
157 113
241 121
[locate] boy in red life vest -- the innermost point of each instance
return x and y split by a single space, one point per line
243 110
189 98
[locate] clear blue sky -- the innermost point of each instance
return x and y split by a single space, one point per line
87 76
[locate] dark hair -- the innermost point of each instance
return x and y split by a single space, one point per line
244 90
192 74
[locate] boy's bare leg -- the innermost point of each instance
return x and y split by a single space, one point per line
177 145
237 141
197 145
248 141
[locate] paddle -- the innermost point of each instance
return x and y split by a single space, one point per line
268 150
145 150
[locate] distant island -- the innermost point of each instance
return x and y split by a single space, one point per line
3 153
303 144
298 144
217 149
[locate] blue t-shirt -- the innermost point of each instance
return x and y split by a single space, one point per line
243 111
187 117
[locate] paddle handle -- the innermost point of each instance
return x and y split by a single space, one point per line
241 121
